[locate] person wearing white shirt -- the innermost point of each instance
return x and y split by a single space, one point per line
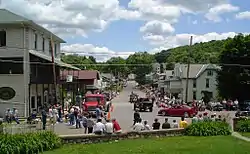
175 124
99 127
146 126
236 102
138 127
109 127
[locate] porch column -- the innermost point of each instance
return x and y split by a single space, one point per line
26 72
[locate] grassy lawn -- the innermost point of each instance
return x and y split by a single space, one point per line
171 145
246 134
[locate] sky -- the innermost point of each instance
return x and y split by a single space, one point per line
112 28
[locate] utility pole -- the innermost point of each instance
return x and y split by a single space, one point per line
54 68
188 68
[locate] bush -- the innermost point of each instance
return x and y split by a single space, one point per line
29 143
243 125
208 129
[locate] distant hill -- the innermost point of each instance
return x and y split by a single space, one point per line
207 52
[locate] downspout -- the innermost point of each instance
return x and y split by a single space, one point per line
25 78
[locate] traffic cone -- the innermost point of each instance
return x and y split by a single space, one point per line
108 116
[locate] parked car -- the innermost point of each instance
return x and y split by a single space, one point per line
245 105
215 106
242 114
179 111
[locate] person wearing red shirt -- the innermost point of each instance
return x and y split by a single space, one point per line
117 128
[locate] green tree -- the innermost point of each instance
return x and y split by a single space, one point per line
207 52
92 59
140 71
234 75
81 62
117 66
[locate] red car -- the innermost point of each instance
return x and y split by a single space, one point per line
179 111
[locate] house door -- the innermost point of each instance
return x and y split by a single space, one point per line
33 103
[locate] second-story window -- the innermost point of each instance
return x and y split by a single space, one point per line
207 83
2 38
194 95
209 73
194 83
43 48
35 41
50 47
55 49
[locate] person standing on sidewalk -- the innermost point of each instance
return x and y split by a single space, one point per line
90 124
44 118
136 117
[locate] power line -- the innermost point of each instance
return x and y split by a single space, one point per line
103 64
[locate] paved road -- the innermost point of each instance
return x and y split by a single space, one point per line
123 112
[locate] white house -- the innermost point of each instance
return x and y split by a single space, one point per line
201 81
26 77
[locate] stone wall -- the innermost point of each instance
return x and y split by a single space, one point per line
91 138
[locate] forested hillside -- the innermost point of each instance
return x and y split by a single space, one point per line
207 52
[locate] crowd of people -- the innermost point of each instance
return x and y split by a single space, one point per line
11 115
140 125
97 124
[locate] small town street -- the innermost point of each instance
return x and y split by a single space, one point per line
123 112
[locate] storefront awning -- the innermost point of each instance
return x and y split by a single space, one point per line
48 58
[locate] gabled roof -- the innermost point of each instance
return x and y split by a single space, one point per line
196 69
7 17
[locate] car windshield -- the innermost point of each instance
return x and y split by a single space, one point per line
93 99
247 102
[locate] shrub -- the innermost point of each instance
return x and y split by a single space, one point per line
29 143
243 125
208 129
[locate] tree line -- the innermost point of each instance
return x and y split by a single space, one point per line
231 54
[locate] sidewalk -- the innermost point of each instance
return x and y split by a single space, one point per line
239 136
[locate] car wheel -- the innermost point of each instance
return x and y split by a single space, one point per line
164 113
186 115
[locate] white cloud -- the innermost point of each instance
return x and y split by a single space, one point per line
80 17
74 17
155 10
154 39
155 27
243 15
215 12
183 39
100 53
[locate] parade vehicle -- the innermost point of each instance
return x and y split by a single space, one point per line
144 104
179 111
93 100
244 106
215 106
242 114
133 98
